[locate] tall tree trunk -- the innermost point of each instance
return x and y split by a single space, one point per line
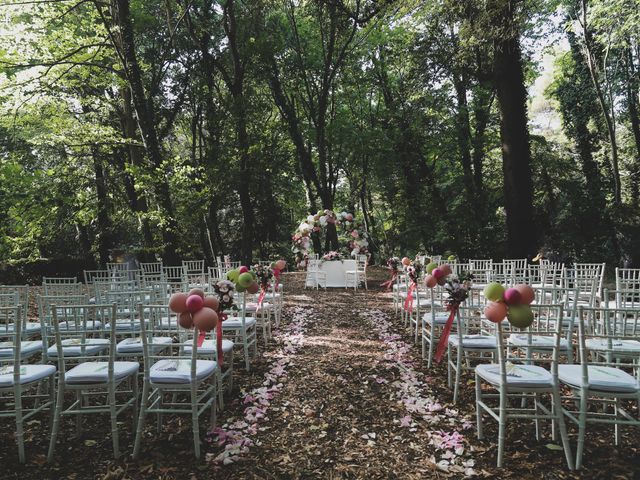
464 134
632 100
514 133
235 83
104 234
606 112
147 125
137 200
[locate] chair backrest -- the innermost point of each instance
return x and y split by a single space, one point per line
481 270
172 353
90 276
116 266
84 334
10 343
151 267
627 278
193 266
608 344
45 301
538 343
62 289
173 274
625 298
584 282
591 269
21 293
362 261
57 280
313 265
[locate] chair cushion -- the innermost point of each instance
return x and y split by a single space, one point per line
606 379
97 372
235 323
474 341
623 345
28 374
441 318
253 307
72 347
528 376
30 328
537 341
134 345
179 371
209 347
68 325
27 348
126 325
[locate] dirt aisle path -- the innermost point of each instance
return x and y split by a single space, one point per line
352 405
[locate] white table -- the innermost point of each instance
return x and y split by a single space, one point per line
335 272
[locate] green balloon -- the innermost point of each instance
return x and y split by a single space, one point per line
245 279
240 288
494 292
431 267
232 275
520 316
451 258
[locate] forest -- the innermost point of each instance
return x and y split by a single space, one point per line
177 129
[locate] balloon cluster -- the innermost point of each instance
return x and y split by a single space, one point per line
437 274
510 303
246 279
195 309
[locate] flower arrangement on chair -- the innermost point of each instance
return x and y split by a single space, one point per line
394 264
414 271
457 289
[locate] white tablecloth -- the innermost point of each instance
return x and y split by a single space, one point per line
335 272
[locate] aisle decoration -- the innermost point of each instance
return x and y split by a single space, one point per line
194 309
264 275
394 266
422 409
331 256
457 291
352 233
235 434
414 271
510 303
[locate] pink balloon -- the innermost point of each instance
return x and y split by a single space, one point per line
196 291
430 281
185 320
194 303
442 280
243 269
178 302
253 288
446 269
512 296
205 319
437 272
406 262
496 312
526 293
281 264
211 302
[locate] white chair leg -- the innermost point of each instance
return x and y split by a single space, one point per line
479 425
194 420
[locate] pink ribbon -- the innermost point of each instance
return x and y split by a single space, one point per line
261 296
444 338
408 303
387 285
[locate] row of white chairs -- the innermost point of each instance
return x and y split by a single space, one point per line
607 342
86 350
